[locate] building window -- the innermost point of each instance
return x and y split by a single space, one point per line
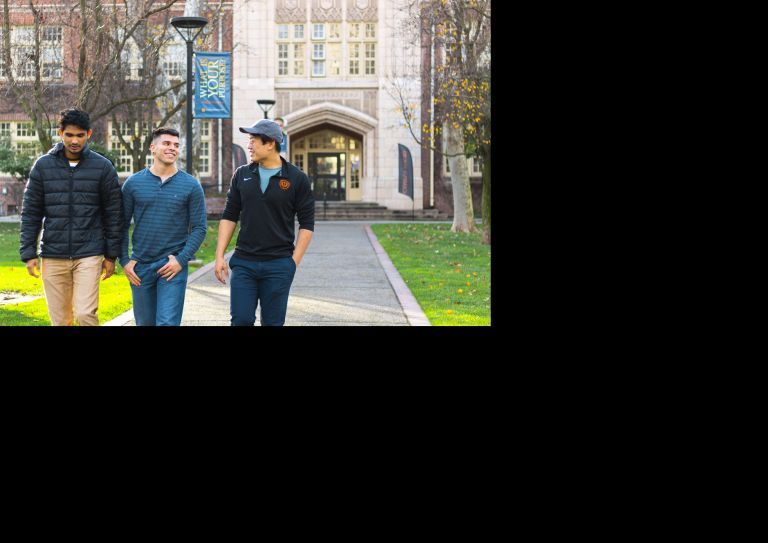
124 158
318 31
334 32
5 130
52 34
318 59
298 59
51 71
204 163
339 142
282 56
362 41
354 177
131 58
124 127
298 161
174 69
370 59
354 59
125 163
23 52
25 147
205 153
25 130
334 59
23 35
290 56
27 68
282 32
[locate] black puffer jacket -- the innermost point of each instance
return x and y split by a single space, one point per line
80 209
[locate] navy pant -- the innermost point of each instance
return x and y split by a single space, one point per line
158 302
265 281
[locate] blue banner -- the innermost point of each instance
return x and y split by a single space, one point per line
213 85
405 171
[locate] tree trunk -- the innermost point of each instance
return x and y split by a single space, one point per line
463 214
486 194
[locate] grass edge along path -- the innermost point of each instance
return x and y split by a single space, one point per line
449 273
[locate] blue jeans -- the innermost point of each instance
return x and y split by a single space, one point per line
268 281
158 302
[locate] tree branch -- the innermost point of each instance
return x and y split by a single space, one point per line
125 101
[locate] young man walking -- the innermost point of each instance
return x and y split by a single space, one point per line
268 195
168 209
75 193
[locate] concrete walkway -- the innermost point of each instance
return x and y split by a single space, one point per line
345 279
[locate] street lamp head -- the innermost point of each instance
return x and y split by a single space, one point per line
265 105
189 27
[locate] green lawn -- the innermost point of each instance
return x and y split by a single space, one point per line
114 293
448 273
207 251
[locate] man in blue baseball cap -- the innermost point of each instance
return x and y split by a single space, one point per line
267 196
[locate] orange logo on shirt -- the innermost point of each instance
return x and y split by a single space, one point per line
284 184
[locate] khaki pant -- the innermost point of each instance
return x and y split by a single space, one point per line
72 284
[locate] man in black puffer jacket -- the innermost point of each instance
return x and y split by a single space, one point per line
73 194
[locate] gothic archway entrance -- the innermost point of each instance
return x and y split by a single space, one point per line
332 157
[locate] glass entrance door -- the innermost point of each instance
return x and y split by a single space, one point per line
326 174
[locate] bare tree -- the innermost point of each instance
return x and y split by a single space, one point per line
86 76
108 35
23 66
139 71
461 33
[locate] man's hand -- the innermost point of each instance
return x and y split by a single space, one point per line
108 267
221 270
170 270
129 273
32 265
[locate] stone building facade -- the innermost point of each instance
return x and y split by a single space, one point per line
325 63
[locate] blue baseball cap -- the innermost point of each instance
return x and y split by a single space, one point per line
265 127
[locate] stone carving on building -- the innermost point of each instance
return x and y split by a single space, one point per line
361 10
359 100
291 11
326 10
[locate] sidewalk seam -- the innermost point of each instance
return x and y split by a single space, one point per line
411 307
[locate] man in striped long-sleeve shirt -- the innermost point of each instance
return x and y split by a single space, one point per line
168 209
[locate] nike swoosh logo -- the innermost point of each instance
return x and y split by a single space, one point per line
246 179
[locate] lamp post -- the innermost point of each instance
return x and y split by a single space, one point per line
189 28
265 105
